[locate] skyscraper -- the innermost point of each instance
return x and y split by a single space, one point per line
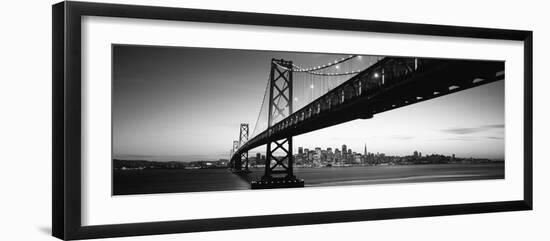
337 156
344 150
365 152
330 155
317 156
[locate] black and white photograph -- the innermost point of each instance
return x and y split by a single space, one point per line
188 119
278 120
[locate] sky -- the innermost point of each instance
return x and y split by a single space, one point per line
186 104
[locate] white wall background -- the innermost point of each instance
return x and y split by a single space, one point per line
25 123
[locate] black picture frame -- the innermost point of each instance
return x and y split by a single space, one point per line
66 128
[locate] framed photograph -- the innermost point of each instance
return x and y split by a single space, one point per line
170 120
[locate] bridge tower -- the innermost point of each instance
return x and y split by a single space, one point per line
233 163
279 170
243 138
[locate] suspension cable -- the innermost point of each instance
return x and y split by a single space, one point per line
335 74
297 68
261 107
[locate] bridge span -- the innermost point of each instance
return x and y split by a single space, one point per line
390 83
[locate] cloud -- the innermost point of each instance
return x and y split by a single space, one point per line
462 131
398 137
496 126
470 130
461 139
472 138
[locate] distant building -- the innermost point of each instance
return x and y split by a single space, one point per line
330 156
310 155
317 156
357 158
337 156
344 151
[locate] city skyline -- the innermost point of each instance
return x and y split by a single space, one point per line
161 110
365 151
254 154
313 157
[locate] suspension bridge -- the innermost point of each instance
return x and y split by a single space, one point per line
300 99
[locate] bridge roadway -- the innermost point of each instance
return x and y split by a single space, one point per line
389 84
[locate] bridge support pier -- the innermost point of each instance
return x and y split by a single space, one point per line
235 163
279 169
243 138
240 162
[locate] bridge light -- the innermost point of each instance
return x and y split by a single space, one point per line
311 86
477 80
295 98
337 66
376 75
359 57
